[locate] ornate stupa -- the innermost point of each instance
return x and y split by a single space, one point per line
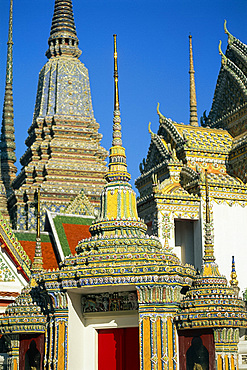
120 278
118 206
211 312
64 133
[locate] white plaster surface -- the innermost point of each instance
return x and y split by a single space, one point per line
242 350
230 239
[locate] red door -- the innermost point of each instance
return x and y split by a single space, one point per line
118 349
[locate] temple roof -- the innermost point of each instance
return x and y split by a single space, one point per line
67 231
204 138
28 243
174 138
231 88
14 249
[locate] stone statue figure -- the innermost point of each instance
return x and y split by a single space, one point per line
197 357
32 357
197 367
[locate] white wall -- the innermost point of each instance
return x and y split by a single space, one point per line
230 239
188 242
75 332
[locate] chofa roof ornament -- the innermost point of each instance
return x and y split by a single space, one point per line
230 36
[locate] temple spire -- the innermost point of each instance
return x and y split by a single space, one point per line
63 39
209 268
193 104
8 158
118 215
208 248
117 162
37 264
233 281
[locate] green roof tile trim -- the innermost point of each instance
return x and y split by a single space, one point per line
8 237
31 237
60 220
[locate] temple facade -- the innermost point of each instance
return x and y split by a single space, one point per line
172 181
93 278
117 303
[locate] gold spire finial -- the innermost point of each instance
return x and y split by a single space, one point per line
207 198
208 247
38 215
209 268
233 281
116 93
193 103
37 264
117 158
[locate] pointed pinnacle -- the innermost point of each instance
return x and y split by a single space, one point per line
63 38
117 163
8 158
193 103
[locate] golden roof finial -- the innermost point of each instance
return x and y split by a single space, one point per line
158 108
37 264
117 158
193 103
149 129
224 58
230 36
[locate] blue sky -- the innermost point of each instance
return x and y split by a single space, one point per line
153 53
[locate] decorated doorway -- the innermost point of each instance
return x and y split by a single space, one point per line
118 349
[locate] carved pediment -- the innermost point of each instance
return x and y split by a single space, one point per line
80 205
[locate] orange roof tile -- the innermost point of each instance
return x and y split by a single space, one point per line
75 233
49 257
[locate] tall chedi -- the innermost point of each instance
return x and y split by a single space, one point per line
118 203
64 154
8 158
